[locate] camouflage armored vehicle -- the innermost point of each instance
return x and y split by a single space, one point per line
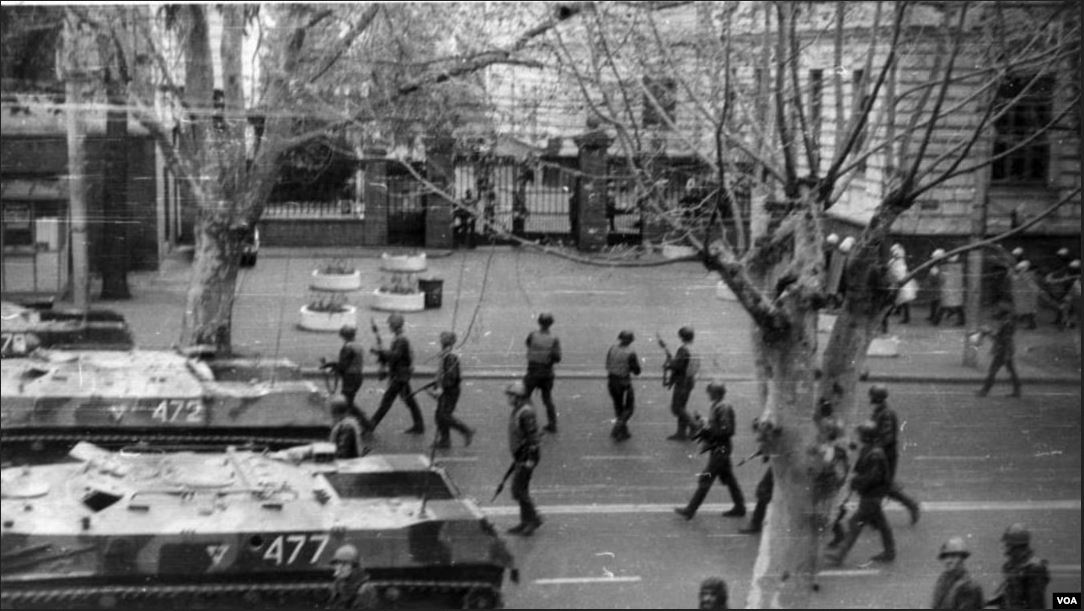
23 329
190 530
52 399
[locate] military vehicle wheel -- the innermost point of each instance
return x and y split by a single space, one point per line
482 598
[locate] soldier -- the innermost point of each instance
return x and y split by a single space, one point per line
952 290
621 364
1026 576
713 594
764 496
523 441
870 481
352 588
349 370
715 438
682 370
399 359
346 432
1025 293
1002 351
447 382
888 431
936 282
543 352
954 588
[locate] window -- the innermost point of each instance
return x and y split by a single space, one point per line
664 90
1024 117
816 104
396 484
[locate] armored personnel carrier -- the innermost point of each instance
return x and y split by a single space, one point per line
191 530
23 329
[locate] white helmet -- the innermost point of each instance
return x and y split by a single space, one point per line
940 252
846 245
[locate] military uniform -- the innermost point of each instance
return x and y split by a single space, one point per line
1001 354
543 352
354 592
448 380
956 590
871 482
716 440
621 364
683 369
1024 585
399 359
888 428
523 441
346 435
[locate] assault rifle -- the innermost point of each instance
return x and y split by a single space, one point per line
751 457
500 486
382 371
667 381
427 386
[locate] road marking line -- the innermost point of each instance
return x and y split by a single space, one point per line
456 459
556 581
984 457
1064 568
618 457
927 506
848 572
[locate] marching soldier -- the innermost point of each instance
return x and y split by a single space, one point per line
682 370
523 441
765 488
954 588
715 438
543 352
1026 576
399 359
346 432
871 482
1003 350
621 364
349 370
888 432
447 382
352 588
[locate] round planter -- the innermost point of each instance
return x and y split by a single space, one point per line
328 321
398 302
402 263
674 251
336 282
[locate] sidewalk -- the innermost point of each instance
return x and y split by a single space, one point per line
492 295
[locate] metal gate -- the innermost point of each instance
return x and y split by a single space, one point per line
406 207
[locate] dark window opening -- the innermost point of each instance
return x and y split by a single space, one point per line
96 500
416 484
1028 115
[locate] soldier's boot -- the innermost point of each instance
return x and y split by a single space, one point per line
756 523
701 493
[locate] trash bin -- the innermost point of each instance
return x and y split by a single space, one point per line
434 291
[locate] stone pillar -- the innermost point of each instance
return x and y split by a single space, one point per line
375 231
592 228
438 210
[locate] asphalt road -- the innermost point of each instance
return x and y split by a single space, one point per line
611 539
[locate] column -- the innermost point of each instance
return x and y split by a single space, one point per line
592 228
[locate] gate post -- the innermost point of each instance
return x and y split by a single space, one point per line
438 210
375 228
592 228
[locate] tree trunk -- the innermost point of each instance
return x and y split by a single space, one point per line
209 302
115 246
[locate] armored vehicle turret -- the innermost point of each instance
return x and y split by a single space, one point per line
187 529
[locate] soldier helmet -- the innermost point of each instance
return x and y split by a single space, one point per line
686 334
867 431
447 338
516 389
346 554
545 319
395 321
955 546
1074 264
339 407
832 239
846 245
348 332
1016 535
940 252
954 258
626 336
896 250
716 387
1023 266
878 393
1063 253
1018 252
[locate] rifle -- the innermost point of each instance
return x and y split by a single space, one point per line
837 524
751 457
382 371
426 387
667 382
331 375
425 495
500 486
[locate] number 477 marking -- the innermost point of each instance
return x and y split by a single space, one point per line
286 549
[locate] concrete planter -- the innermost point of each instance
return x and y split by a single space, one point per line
335 282
675 251
328 321
403 263
398 302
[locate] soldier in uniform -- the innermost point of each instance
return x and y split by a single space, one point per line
952 290
447 382
871 482
954 588
1003 350
888 431
715 438
346 432
351 588
543 352
349 370
935 281
713 594
1026 576
621 364
523 441
682 370
765 488
399 359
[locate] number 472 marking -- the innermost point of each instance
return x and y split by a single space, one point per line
285 549
172 410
